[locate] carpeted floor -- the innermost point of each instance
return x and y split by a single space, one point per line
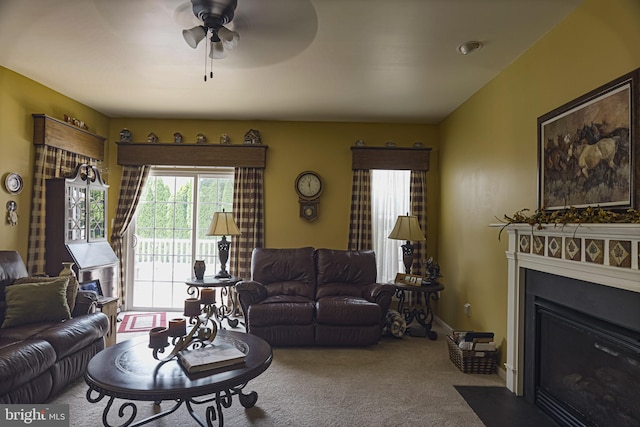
399 382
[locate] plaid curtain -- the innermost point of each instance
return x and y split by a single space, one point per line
418 196
360 234
50 162
131 185
248 212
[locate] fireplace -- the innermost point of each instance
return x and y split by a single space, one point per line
573 337
582 351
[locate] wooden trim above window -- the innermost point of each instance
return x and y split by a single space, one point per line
391 158
63 135
169 154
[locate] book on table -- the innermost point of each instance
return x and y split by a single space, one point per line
214 356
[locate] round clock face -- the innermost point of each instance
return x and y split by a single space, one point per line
309 185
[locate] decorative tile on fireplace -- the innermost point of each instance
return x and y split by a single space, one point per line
538 245
573 248
554 247
594 250
525 243
620 253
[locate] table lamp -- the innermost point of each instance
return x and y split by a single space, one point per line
222 224
407 228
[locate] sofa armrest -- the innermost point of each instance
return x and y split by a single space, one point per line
250 292
380 293
86 303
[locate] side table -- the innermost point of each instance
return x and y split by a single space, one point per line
222 311
109 306
421 312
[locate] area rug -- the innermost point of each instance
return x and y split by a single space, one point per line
141 322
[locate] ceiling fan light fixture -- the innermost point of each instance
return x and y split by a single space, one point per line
469 47
194 36
228 37
217 51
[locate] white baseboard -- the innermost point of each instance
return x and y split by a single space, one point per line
500 371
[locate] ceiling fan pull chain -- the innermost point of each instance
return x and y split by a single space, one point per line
205 62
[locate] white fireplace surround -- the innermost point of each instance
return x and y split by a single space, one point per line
606 254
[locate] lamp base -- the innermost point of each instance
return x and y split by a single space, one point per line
222 275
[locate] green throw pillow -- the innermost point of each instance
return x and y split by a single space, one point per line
72 287
36 302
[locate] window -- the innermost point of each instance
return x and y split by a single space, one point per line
390 197
170 227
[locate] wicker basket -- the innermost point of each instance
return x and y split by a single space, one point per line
471 361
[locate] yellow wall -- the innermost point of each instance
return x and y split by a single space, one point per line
19 98
295 147
488 159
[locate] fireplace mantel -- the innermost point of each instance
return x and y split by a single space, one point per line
605 254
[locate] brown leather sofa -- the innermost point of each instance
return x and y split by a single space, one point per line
37 360
304 297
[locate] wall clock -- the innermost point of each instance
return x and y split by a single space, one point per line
309 186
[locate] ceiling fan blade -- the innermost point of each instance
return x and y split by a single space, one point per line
271 31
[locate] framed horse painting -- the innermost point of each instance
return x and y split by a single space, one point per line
587 149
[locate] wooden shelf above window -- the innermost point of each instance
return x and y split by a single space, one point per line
63 135
171 154
392 158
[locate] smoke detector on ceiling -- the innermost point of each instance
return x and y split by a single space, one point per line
469 47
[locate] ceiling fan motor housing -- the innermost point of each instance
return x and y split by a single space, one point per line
214 13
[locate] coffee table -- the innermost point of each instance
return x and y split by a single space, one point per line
129 372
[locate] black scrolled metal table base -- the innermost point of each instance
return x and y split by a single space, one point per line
222 311
421 312
223 399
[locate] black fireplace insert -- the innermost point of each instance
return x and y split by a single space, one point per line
582 351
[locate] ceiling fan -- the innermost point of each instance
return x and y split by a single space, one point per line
271 31
214 15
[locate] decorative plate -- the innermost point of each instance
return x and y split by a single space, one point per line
13 183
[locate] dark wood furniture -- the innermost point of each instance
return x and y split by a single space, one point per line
109 306
421 311
76 228
128 371
222 311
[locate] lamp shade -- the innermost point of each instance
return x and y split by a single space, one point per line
228 37
217 51
194 35
407 228
223 224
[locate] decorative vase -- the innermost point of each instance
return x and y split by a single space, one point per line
199 269
67 269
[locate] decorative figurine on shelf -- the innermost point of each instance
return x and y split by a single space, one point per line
177 138
433 270
252 137
201 139
359 143
125 135
389 144
224 139
152 138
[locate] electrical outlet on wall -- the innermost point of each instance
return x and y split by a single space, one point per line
467 309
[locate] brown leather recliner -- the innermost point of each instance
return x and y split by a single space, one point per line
303 297
37 360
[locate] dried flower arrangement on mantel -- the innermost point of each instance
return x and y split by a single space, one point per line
571 215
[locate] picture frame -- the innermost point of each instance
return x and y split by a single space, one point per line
588 149
92 285
408 279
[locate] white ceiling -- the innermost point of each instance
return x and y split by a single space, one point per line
317 60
